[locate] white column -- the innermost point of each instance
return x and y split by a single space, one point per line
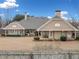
38 33
49 34
21 32
53 36
75 34
41 34
5 32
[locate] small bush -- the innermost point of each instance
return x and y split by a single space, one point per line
63 38
36 38
77 38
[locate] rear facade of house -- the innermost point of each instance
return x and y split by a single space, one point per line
47 28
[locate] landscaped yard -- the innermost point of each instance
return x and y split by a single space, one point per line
27 43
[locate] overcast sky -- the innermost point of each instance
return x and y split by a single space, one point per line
39 7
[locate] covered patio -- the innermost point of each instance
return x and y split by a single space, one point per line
55 35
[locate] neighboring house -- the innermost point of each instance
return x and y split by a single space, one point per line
57 27
26 26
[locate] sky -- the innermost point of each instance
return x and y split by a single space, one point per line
46 8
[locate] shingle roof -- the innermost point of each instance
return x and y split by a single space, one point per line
33 22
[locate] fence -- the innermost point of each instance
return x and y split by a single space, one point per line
38 55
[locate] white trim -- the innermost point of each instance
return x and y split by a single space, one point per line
44 25
15 23
20 25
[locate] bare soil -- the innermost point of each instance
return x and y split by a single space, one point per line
28 43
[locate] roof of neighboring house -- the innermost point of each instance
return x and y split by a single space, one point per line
57 24
75 24
14 25
33 22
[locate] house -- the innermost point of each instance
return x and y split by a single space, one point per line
57 27
52 29
24 27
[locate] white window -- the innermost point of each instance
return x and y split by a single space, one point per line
57 25
14 26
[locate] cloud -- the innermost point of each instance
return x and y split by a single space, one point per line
12 1
64 12
64 15
9 4
2 15
49 17
17 10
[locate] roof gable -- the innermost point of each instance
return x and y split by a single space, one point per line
14 25
57 24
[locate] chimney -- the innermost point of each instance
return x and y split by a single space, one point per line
58 13
25 15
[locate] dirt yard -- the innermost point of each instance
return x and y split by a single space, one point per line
27 43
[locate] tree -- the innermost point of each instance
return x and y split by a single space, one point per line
18 17
7 22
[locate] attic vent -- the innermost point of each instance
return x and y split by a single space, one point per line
57 25
14 26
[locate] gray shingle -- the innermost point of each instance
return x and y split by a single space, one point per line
33 22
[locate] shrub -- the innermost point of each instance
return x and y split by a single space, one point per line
36 38
77 38
63 38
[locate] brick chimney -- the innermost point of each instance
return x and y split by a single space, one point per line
58 13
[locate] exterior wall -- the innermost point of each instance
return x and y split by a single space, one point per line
27 32
14 32
56 35
77 33
69 35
